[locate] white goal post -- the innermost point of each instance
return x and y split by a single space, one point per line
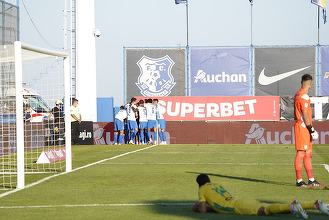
31 53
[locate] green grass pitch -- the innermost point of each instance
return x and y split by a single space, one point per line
159 182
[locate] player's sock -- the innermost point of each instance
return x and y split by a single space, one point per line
141 136
285 208
149 134
308 205
135 134
277 208
161 135
308 164
299 164
155 136
132 135
164 138
127 136
121 139
146 136
115 138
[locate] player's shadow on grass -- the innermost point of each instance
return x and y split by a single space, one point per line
248 179
183 210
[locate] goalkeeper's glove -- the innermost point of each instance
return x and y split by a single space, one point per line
314 134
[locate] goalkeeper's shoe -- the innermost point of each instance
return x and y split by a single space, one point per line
301 184
297 210
322 207
313 184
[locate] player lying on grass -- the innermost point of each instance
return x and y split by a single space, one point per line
214 197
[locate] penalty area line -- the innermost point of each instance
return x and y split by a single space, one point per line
74 170
98 205
210 163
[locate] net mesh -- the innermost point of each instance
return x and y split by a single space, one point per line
44 128
43 87
7 119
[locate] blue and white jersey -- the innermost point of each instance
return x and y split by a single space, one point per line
130 111
151 111
121 115
142 114
160 113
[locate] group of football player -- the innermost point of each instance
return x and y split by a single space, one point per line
140 122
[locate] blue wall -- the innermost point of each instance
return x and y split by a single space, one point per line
105 109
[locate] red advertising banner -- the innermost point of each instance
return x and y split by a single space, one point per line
201 132
248 132
220 108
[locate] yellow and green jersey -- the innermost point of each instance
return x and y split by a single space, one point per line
217 197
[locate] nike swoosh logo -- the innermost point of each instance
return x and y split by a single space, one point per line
267 80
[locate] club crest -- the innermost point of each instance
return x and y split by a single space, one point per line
155 77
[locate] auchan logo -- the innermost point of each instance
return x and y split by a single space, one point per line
259 135
203 77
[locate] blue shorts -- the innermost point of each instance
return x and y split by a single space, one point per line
142 124
118 125
162 123
132 125
151 124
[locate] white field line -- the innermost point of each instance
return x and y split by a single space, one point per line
227 152
326 166
74 170
214 163
13 173
97 205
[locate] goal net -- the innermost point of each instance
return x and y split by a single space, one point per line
34 113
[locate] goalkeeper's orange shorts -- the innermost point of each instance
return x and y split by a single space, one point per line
302 138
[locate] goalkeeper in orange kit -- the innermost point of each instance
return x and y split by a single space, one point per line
214 197
304 134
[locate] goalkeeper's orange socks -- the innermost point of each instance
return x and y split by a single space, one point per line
299 165
306 157
308 165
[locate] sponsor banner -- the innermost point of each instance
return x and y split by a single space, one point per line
201 132
51 156
103 133
220 72
86 133
278 71
324 80
320 107
220 108
280 132
155 72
